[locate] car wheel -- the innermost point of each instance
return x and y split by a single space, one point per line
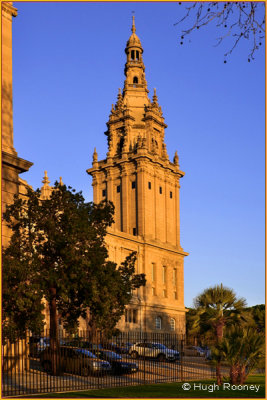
47 366
161 357
85 371
134 354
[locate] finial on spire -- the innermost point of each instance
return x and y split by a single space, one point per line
133 24
45 180
155 98
95 157
60 181
119 101
176 158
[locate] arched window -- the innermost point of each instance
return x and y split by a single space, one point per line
172 324
137 54
158 322
132 54
135 79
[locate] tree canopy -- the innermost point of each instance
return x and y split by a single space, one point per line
57 252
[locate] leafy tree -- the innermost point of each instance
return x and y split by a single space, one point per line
216 308
257 317
57 252
21 299
236 20
114 292
242 348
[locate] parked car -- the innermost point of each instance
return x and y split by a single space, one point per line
118 365
76 361
121 348
199 350
37 344
154 350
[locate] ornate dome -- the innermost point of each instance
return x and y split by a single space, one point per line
134 40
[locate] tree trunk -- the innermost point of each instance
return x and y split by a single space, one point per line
218 373
219 336
54 340
234 374
242 375
219 330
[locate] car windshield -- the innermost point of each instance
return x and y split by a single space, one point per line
159 346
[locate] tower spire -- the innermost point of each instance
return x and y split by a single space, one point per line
133 24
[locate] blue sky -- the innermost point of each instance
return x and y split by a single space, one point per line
68 62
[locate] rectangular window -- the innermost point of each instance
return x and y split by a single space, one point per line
104 193
133 185
175 295
160 190
153 291
135 316
153 272
158 323
170 195
164 293
134 231
174 276
149 185
164 274
118 189
129 315
126 315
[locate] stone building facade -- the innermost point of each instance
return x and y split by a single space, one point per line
144 185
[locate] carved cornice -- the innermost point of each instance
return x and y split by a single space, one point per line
18 163
125 170
9 9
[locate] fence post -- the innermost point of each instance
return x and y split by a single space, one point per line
26 352
144 373
182 359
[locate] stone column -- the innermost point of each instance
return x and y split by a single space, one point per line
125 198
110 185
110 189
12 165
165 208
95 184
177 212
8 11
140 209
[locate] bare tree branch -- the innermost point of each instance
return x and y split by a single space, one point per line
244 20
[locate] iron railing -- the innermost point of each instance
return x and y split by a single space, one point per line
33 364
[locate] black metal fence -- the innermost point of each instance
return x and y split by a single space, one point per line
35 365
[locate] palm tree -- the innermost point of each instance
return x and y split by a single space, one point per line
242 348
216 308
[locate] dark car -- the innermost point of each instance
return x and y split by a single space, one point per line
84 344
121 348
118 365
76 361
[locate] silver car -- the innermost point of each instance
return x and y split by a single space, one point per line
154 350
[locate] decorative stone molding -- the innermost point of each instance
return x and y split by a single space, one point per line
9 10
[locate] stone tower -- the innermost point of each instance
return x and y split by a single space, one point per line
141 181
